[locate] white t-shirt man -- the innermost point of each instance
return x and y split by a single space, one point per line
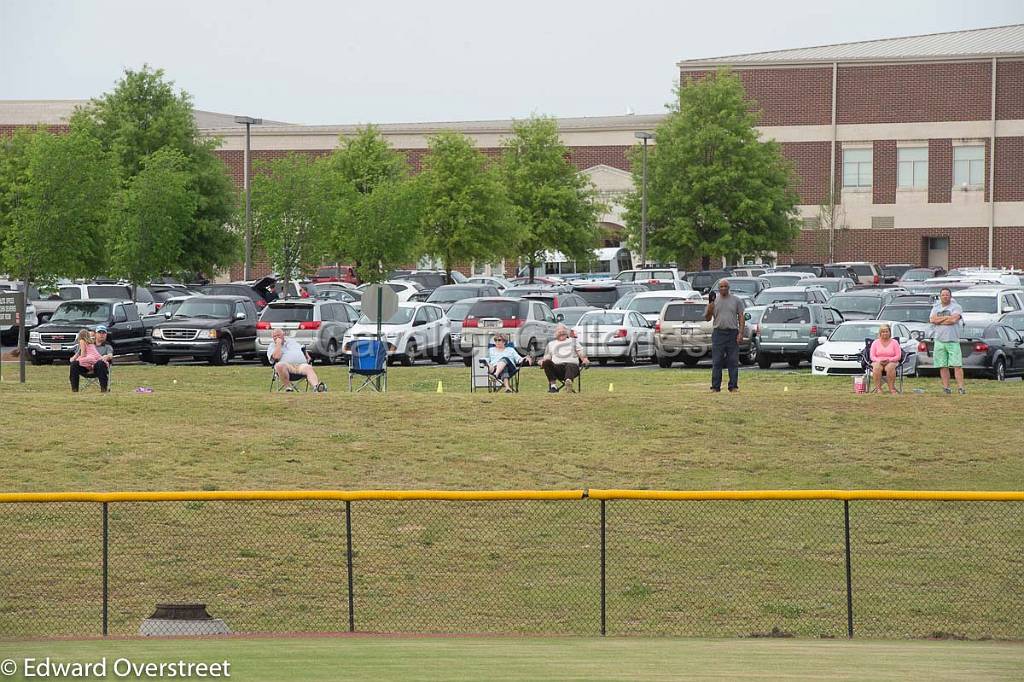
291 353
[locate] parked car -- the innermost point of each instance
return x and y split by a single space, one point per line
749 271
932 289
499 282
448 294
799 294
622 335
570 315
317 325
862 304
555 301
744 286
529 324
816 269
752 318
1015 320
656 279
336 273
867 273
790 331
404 289
832 270
919 274
913 315
683 335
429 279
55 340
841 352
786 279
650 303
257 299
892 273
145 304
416 330
986 304
990 350
832 285
331 292
604 294
703 280
211 328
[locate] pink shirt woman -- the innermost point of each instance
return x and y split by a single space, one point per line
88 356
885 357
887 351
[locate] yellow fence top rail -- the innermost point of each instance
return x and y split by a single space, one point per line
471 495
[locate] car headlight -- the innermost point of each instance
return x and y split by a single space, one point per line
819 352
34 337
210 334
158 333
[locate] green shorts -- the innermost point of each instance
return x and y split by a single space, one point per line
947 354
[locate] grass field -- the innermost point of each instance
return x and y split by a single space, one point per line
404 659
693 569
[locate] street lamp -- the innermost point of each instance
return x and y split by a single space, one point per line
248 122
641 135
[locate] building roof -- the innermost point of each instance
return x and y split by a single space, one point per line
58 112
983 42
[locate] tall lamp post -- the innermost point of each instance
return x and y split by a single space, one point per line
641 135
248 122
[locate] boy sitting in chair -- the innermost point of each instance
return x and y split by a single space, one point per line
291 360
503 361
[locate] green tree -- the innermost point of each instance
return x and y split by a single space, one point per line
150 216
59 206
555 205
713 188
14 159
466 213
292 212
144 114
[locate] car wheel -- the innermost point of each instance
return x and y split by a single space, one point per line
690 361
332 353
664 361
533 349
36 361
410 355
602 361
764 361
999 372
751 357
161 359
445 355
795 362
632 357
223 353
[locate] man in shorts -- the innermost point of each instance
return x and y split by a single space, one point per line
945 319
290 359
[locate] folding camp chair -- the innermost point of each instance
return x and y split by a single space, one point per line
577 382
491 382
276 383
865 363
90 378
369 361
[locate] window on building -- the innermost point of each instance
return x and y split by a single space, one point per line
969 166
913 167
857 167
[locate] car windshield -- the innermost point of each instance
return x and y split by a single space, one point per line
796 315
458 311
199 307
855 332
451 294
684 313
781 279
774 296
856 304
287 313
570 317
598 318
831 285
109 291
977 304
601 297
862 270
703 280
401 316
741 286
650 306
906 313
170 308
917 275
82 312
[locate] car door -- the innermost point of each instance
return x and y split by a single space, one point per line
645 334
244 330
420 330
126 333
550 323
1014 348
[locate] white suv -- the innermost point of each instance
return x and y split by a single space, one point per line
113 290
416 330
986 304
867 273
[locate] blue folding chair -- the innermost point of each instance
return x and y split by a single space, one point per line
369 361
492 383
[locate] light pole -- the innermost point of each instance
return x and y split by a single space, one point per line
641 135
248 122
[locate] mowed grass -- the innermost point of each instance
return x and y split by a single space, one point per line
531 659
713 569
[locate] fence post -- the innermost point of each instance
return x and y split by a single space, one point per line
603 565
849 576
106 568
348 555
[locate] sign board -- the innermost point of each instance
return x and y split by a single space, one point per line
10 308
379 302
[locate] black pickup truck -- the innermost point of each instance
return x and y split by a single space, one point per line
55 340
212 328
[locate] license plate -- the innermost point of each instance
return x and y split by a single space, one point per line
490 323
785 335
54 346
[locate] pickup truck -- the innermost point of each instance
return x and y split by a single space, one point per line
55 340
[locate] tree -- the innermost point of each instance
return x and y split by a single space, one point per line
555 205
150 216
59 207
144 114
466 213
291 213
14 159
375 205
713 188
829 224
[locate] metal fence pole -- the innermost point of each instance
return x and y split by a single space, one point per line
348 555
603 565
849 573
106 568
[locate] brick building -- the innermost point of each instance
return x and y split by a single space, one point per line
916 135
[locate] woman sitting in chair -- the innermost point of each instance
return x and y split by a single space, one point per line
503 361
885 358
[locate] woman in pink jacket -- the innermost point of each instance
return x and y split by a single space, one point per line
885 358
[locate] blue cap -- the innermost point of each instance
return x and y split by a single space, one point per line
102 328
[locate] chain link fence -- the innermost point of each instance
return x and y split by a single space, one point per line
538 563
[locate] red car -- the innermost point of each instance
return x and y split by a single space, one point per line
336 273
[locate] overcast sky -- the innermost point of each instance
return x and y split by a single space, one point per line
364 62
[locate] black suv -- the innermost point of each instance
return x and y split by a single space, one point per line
212 328
55 340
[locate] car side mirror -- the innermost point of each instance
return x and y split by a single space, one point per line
822 340
559 317
167 315
239 316
419 323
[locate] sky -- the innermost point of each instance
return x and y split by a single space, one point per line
336 62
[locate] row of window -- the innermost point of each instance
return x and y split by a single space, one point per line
912 167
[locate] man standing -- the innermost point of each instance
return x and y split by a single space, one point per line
290 359
726 314
945 319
